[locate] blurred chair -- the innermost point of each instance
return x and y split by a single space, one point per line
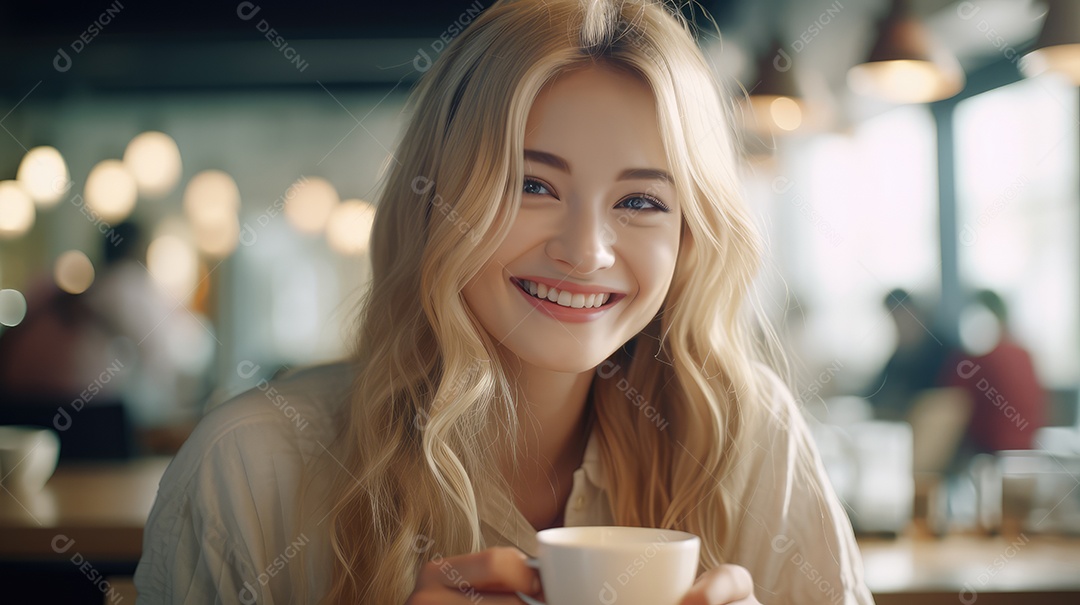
938 418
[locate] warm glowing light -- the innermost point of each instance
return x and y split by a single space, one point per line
111 190
775 114
16 210
1062 59
786 113
174 265
220 238
211 197
44 175
154 160
211 203
73 272
12 307
349 227
905 81
313 199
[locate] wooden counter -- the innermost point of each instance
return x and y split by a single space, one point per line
101 506
965 569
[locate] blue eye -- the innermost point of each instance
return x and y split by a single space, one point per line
638 203
535 187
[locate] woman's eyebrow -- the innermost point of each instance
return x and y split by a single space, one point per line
550 159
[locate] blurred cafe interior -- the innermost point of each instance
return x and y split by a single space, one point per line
186 193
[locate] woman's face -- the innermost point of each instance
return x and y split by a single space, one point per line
597 233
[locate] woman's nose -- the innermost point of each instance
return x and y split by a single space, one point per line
585 242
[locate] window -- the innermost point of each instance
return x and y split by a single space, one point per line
1019 216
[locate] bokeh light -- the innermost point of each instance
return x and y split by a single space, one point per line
73 272
349 227
111 190
905 81
44 175
174 265
312 201
210 197
786 113
211 204
220 238
12 307
154 160
16 210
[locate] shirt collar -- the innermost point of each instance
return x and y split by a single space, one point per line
590 463
504 525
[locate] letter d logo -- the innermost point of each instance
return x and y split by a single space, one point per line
608 594
61 62
247 10
782 61
967 368
248 237
968 236
421 62
968 595
247 594
607 369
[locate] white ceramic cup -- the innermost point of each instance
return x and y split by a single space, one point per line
28 457
615 565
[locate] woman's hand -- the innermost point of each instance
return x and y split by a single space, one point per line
725 585
494 574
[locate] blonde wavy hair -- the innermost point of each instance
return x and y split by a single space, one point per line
431 397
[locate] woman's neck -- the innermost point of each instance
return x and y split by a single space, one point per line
554 420
553 417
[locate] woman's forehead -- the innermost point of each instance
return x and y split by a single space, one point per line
600 116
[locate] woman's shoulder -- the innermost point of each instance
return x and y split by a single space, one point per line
317 391
227 506
289 418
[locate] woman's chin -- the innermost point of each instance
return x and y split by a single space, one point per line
562 361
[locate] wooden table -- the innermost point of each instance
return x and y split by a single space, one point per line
964 569
100 506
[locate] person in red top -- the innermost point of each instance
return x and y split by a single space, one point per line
1009 403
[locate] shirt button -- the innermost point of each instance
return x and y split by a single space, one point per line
579 503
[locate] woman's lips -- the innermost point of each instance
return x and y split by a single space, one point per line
566 314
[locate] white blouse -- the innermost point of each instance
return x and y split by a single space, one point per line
222 529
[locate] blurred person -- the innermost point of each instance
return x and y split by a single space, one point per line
121 339
914 366
558 332
999 376
171 347
62 349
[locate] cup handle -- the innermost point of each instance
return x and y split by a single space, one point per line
534 563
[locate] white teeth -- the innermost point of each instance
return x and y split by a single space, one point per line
564 298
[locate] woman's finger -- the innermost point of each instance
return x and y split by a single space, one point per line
725 585
497 569
445 597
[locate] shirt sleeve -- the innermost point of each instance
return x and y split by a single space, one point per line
218 523
790 530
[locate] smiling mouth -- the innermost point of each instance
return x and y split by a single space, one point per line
564 298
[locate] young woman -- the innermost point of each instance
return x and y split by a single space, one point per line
557 333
